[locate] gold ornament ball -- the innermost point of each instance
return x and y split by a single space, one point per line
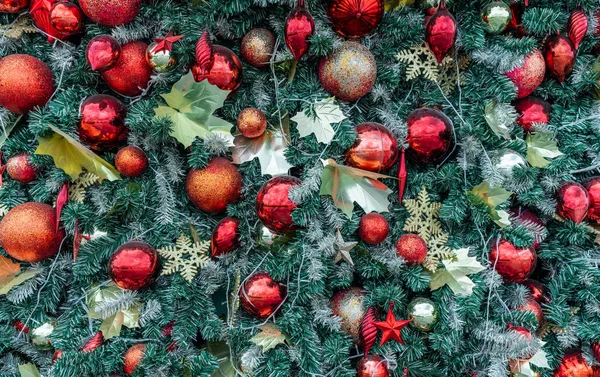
258 46
251 122
40 336
349 305
423 313
213 188
159 61
131 161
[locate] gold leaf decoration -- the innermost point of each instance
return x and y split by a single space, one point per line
185 257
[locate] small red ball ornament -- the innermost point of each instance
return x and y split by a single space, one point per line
131 161
373 228
251 122
573 201
537 290
529 75
412 248
110 12
375 149
530 221
258 46
67 18
261 296
372 366
103 52
592 185
102 125
515 265
574 365
134 265
532 110
13 6
214 187
534 307
133 357
299 26
349 305
131 74
355 18
225 237
19 168
25 82
217 64
440 32
349 72
559 54
430 135
274 207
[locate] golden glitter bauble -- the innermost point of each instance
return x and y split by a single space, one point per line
251 122
133 357
258 46
28 232
213 188
25 82
529 75
349 72
349 305
131 161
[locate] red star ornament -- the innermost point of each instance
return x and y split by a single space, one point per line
166 43
391 327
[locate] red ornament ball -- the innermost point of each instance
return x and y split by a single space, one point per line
430 135
225 70
574 365
251 122
529 75
515 265
25 82
537 290
13 6
355 18
19 168
440 32
349 305
133 357
261 296
274 207
573 201
134 265
102 125
103 52
131 74
28 232
532 110
596 350
592 185
372 366
529 220
375 149
225 237
40 15
373 228
299 26
258 46
559 53
412 248
214 187
131 161
110 12
349 72
67 18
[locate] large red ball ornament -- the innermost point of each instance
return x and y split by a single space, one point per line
274 207
349 72
513 264
28 232
529 75
133 357
375 149
355 18
102 125
103 52
225 237
258 46
110 12
299 26
13 6
131 74
574 365
430 135
131 161
217 64
350 307
592 185
214 187
440 32
412 248
372 366
67 18
573 201
373 228
19 168
559 53
532 110
134 265
25 82
261 296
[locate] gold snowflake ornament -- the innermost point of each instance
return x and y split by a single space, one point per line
185 257
16 29
424 221
78 188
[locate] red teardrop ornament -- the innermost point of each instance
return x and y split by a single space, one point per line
299 26
103 52
66 18
577 27
440 32
572 201
559 53
225 237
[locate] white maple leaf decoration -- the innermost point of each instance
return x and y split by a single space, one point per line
269 148
455 271
185 257
318 119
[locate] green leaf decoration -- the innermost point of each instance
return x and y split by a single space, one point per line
455 271
347 185
492 197
269 337
72 156
221 351
111 325
317 120
191 106
29 370
540 146
21 278
500 117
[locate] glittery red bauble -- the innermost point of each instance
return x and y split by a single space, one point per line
133 357
533 306
95 341
559 54
131 74
529 75
573 201
251 122
373 228
372 366
537 290
440 32
412 248
20 169
225 237
530 221
214 187
110 12
592 185
226 70
299 26
40 15
13 6
430 135
25 82
274 207
258 46
134 265
349 72
102 125
103 52
515 265
349 305
66 18
574 365
28 232
532 110
131 161
375 149
261 296
355 18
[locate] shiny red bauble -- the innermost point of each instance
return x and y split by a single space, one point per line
134 265
529 75
592 185
512 263
559 53
103 52
25 82
372 366
66 18
225 71
225 237
375 149
274 207
19 168
537 290
440 32
40 15
131 74
102 125
529 220
412 248
13 6
133 357
430 135
131 161
299 26
572 201
355 18
261 296
373 228
574 365
214 187
532 110
534 307
110 12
